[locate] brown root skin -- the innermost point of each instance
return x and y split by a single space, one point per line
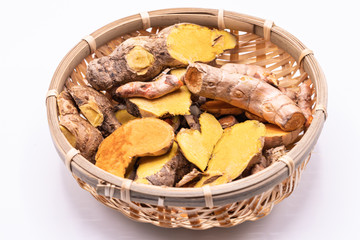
79 132
266 101
252 71
163 170
228 121
137 138
189 179
96 107
219 108
150 90
251 116
142 58
304 100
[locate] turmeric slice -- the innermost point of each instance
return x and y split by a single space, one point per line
245 92
144 57
233 152
197 146
175 103
137 138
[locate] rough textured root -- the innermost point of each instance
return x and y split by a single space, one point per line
245 92
219 108
228 121
137 138
273 154
275 137
193 122
150 90
252 71
163 170
79 132
189 179
96 107
237 147
251 116
142 58
197 146
175 103
304 101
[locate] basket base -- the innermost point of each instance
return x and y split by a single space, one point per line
201 218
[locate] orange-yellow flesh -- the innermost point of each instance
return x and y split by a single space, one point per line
190 43
139 137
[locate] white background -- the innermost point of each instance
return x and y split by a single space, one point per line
41 200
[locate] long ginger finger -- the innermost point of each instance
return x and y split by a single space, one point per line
150 90
245 92
252 71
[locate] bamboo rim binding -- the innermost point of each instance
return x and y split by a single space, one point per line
251 49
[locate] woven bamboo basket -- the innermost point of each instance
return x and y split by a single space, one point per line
260 42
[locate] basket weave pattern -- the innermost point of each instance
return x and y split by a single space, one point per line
154 206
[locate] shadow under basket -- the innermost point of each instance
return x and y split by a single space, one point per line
260 42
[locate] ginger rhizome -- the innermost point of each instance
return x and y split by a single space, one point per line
79 132
164 170
245 92
137 138
143 58
165 84
96 107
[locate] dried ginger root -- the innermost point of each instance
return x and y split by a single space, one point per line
137 138
163 170
266 101
237 147
252 71
197 146
144 57
165 84
96 107
275 137
304 102
79 132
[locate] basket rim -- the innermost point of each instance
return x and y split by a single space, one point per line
221 194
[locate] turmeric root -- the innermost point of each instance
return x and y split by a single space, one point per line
79 132
150 90
163 170
245 92
228 121
275 137
142 58
175 103
252 71
236 148
304 101
197 146
189 178
219 108
137 138
97 108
